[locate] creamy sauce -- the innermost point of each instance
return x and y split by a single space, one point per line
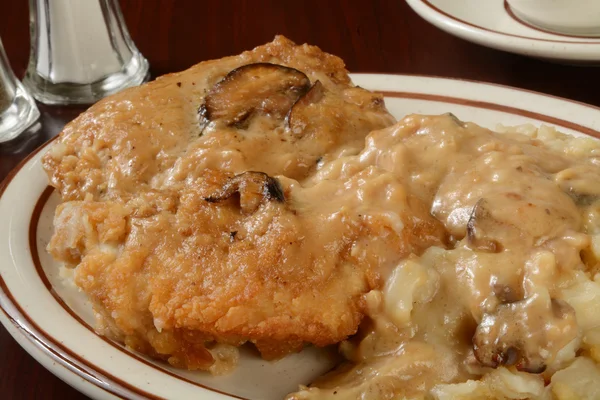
494 307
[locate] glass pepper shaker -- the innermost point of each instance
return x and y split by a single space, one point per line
81 52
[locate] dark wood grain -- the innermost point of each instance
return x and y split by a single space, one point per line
371 36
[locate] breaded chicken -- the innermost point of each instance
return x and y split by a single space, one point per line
215 206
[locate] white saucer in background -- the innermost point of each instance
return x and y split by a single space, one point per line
492 23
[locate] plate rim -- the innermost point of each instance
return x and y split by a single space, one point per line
571 50
24 329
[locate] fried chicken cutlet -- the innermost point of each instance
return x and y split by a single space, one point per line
208 208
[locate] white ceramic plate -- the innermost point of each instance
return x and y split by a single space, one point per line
492 23
51 320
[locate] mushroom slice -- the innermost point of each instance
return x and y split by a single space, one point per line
480 225
575 181
526 334
296 120
263 88
254 188
507 294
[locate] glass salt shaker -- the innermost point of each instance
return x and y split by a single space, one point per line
17 108
81 51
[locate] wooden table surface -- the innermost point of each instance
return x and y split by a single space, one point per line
371 36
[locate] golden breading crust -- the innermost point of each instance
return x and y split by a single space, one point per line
149 136
187 232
